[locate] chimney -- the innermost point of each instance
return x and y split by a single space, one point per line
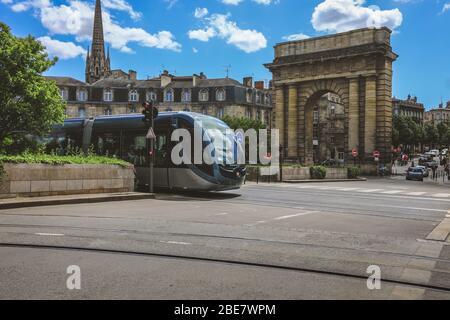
132 74
259 85
248 82
202 76
166 78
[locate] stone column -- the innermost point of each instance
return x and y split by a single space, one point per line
384 111
370 115
353 114
279 112
292 122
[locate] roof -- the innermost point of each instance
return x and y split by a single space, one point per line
221 82
66 81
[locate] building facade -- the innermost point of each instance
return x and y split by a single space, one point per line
329 129
438 115
409 108
114 92
197 93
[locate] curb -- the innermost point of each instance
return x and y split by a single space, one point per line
56 202
324 180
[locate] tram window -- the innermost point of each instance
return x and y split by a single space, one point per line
107 144
135 148
161 151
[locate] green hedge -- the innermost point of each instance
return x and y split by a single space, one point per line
318 172
354 172
61 160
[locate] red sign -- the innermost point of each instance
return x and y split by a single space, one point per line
376 154
354 153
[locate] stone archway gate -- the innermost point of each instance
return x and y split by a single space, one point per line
356 65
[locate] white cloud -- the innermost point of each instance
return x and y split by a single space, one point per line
296 37
122 5
76 18
200 12
219 25
232 2
344 15
446 7
237 2
60 49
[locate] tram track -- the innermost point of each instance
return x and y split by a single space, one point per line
218 237
223 261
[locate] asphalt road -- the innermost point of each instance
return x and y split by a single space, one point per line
277 241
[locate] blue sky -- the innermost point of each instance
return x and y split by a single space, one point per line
190 36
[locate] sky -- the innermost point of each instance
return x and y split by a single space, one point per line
236 36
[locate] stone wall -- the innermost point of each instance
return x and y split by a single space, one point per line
46 180
295 173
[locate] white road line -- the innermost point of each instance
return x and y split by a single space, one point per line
369 190
442 195
50 234
221 214
176 242
393 191
294 215
415 193
349 189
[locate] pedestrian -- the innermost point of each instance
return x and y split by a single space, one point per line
433 168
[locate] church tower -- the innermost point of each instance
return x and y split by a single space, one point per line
97 64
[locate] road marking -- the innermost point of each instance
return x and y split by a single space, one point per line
50 234
349 189
221 214
176 242
393 192
416 193
369 190
442 195
294 215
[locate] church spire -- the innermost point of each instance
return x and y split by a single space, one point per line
97 65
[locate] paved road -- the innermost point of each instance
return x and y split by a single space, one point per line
277 241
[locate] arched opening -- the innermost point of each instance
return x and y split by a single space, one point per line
325 131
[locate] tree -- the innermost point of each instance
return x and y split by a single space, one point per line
29 103
236 123
431 134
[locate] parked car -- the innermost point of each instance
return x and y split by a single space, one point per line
425 159
415 174
435 153
426 172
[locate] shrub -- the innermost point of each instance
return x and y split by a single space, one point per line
318 172
353 172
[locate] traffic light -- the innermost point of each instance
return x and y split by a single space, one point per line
150 112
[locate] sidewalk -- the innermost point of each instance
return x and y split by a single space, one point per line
14 203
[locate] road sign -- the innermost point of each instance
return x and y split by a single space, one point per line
151 134
376 154
354 153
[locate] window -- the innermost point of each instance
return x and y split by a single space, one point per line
64 93
332 110
249 96
151 96
186 95
82 95
248 113
168 95
134 96
108 95
204 95
267 100
316 117
82 112
108 111
220 112
220 95
341 155
258 98
258 115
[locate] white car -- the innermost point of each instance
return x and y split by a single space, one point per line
435 153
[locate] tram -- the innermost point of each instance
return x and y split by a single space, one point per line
124 137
